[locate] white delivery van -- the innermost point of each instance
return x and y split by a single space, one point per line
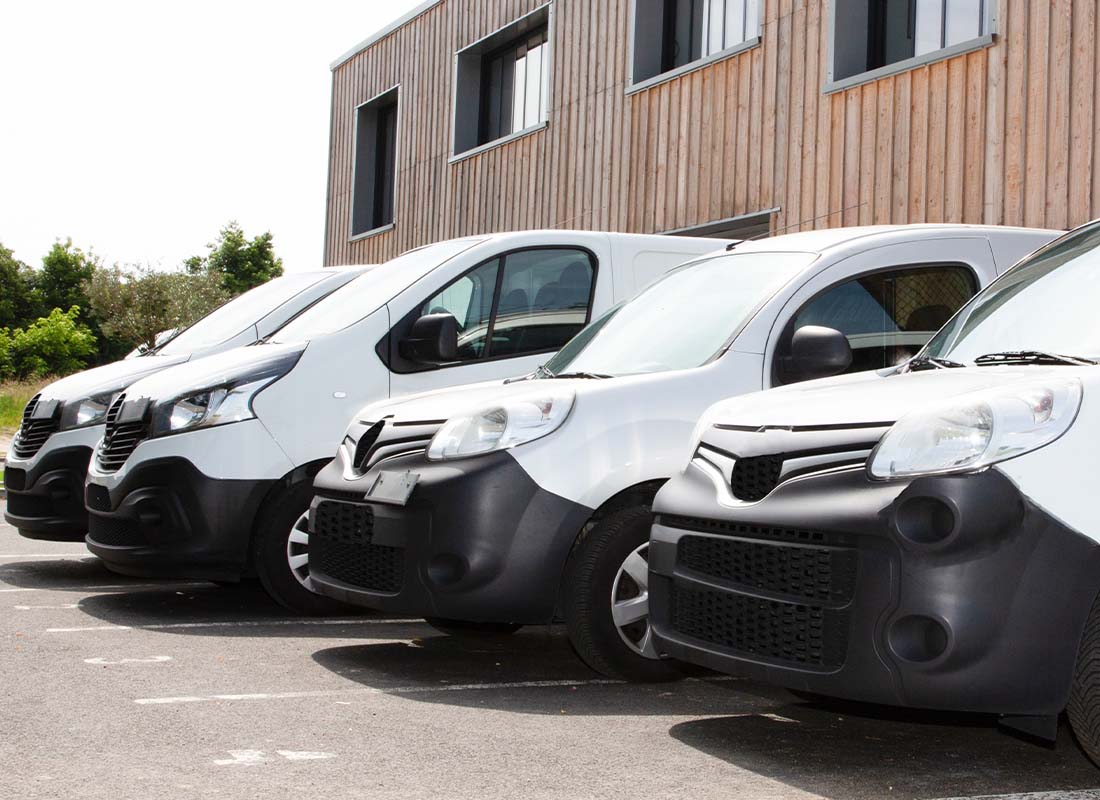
205 469
925 537
48 463
528 501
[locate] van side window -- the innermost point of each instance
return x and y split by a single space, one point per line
545 296
887 316
470 301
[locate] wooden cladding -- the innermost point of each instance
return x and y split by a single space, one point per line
1003 134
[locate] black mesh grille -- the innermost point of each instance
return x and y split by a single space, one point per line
32 434
810 574
807 635
15 479
114 532
754 478
97 497
119 439
30 506
340 546
795 535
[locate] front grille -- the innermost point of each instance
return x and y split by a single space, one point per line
15 480
809 574
119 439
33 433
806 635
97 498
384 440
754 478
365 444
115 532
340 546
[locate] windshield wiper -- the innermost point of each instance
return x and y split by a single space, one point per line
1026 357
595 376
931 362
540 372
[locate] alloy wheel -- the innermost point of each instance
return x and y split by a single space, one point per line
630 603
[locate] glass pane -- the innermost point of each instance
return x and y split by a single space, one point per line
929 26
544 91
735 22
888 317
964 21
470 301
519 91
752 18
534 87
544 300
714 26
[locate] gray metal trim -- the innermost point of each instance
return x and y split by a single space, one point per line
904 66
706 61
720 223
383 32
511 137
371 232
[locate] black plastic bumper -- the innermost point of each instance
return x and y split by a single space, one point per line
950 593
478 541
168 520
47 502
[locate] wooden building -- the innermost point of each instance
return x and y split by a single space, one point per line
732 117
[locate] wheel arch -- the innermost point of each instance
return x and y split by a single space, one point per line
300 474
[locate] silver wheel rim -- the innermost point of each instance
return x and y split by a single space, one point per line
630 603
297 550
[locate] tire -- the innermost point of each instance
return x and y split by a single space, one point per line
458 627
1084 696
271 553
592 578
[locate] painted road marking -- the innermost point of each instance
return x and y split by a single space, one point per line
251 757
256 623
1080 794
44 608
450 687
147 660
82 556
121 587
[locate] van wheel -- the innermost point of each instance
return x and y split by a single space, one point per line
1084 695
607 599
459 627
280 554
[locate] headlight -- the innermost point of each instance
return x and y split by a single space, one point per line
976 430
516 421
231 401
86 411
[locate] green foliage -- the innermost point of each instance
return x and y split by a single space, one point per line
65 271
242 264
139 302
14 396
18 301
57 343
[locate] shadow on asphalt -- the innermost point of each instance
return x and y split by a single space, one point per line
62 574
860 751
422 669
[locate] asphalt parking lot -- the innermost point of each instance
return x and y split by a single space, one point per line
120 688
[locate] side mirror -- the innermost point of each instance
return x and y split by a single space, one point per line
433 339
818 352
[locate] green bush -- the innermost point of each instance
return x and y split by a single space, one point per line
56 344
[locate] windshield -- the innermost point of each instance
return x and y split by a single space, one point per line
238 314
1048 304
681 320
370 291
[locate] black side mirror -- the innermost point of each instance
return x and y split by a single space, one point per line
818 352
432 339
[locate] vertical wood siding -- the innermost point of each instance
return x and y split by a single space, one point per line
1002 135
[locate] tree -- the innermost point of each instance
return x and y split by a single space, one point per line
18 302
242 264
65 271
57 344
137 303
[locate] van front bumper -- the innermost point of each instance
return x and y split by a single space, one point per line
166 519
45 493
477 541
950 593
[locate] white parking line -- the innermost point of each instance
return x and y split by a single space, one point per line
121 587
82 556
45 608
254 623
450 687
1080 794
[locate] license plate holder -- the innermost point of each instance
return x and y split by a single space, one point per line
393 487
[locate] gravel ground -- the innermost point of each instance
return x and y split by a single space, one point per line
118 688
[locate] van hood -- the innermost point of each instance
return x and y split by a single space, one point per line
872 398
108 379
208 372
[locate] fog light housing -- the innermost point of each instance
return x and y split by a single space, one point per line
925 520
918 639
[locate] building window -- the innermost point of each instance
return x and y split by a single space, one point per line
375 164
669 34
870 34
503 83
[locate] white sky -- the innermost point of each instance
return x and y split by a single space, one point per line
140 128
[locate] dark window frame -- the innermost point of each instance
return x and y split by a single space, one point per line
374 164
783 343
388 348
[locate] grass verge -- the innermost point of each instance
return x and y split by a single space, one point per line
13 398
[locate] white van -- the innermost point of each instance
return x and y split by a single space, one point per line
526 502
926 537
205 469
48 463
